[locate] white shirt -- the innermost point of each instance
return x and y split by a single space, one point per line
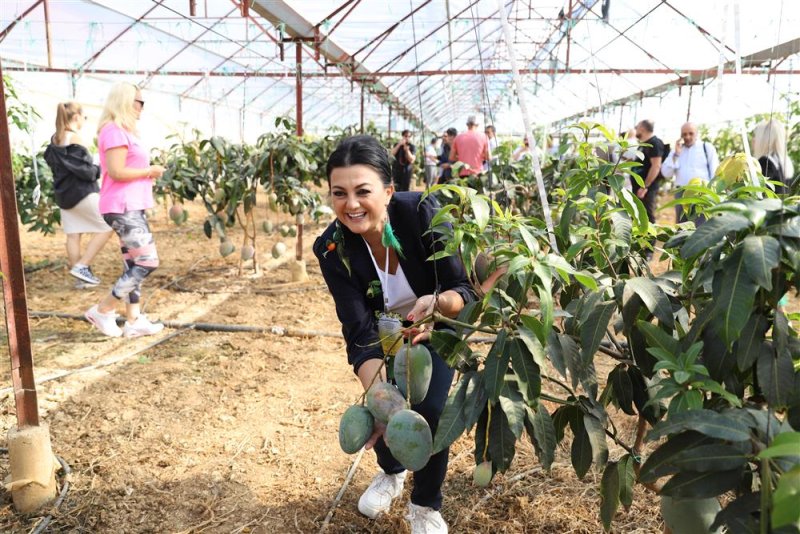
398 296
691 163
431 155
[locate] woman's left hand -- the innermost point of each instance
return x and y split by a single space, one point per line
422 308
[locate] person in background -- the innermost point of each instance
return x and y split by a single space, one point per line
76 192
471 147
769 147
404 153
431 162
126 193
446 171
650 170
491 136
384 234
691 158
523 151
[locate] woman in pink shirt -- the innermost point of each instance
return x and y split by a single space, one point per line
126 192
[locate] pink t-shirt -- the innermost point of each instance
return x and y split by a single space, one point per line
120 197
469 147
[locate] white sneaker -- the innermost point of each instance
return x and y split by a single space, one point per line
381 492
424 520
141 327
105 322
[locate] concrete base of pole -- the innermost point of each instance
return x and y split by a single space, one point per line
32 481
298 270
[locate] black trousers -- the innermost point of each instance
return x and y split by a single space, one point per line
428 481
649 199
401 175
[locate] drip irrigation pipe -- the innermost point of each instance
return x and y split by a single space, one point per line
65 468
99 365
176 286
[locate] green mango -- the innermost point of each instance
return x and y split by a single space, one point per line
355 428
409 438
383 400
414 361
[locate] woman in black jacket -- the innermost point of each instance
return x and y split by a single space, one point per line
374 259
75 180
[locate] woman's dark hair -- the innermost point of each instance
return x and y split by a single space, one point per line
361 150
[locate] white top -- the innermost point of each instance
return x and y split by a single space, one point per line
398 297
431 155
691 163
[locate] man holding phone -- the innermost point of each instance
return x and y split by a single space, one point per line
691 158
404 155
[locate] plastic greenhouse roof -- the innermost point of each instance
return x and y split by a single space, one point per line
432 61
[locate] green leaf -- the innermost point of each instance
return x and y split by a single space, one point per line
660 463
593 329
635 210
526 370
762 254
451 422
708 422
514 406
496 366
528 239
572 357
690 516
527 330
581 450
693 485
623 388
555 353
785 510
586 280
734 293
658 338
597 437
480 209
627 478
475 400
784 444
713 457
542 432
609 494
775 376
711 232
748 346
653 297
501 441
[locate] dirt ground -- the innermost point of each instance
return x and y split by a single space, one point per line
237 432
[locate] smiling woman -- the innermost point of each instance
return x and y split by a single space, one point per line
380 235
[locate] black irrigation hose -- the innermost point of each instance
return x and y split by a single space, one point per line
276 291
65 468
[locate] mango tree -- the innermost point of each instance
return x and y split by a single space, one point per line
705 357
286 165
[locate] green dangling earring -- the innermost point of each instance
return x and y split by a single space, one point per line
388 239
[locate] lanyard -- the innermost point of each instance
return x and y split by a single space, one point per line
384 278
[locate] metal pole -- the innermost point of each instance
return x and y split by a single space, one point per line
390 122
299 86
19 335
47 35
362 109
537 169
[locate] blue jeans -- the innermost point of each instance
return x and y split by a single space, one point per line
428 481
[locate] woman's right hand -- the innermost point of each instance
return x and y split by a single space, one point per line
155 171
378 430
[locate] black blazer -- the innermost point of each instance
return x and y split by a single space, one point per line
410 220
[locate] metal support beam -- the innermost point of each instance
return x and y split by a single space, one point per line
120 34
19 335
299 87
362 109
47 34
24 14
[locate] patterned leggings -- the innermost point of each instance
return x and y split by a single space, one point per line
138 252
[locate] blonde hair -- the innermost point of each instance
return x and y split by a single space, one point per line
769 139
65 112
119 107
